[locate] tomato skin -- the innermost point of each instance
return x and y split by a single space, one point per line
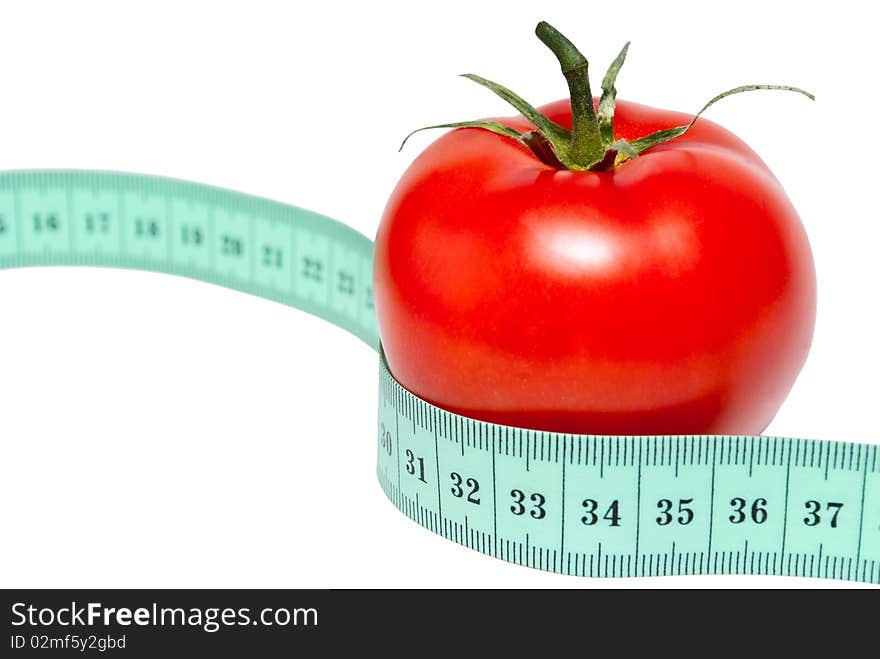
675 294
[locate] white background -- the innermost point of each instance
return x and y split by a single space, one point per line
160 432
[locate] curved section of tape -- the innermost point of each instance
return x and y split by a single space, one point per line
574 504
239 241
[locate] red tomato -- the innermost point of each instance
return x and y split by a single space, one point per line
675 293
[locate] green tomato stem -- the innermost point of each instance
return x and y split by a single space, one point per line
586 142
590 145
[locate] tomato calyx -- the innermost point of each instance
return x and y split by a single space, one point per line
590 144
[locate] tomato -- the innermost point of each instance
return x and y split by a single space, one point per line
673 293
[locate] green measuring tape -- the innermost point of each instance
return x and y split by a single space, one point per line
576 504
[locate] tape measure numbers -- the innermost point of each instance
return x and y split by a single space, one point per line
575 504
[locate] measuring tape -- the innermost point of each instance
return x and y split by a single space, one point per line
598 506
